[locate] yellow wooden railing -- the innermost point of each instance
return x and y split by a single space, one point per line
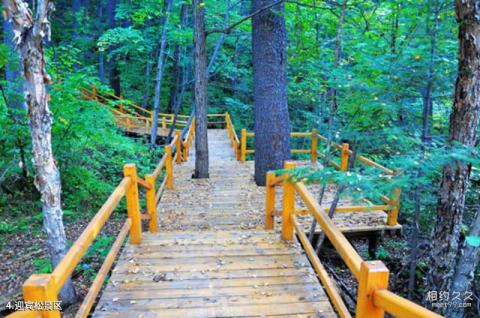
344 151
42 290
131 116
391 203
373 297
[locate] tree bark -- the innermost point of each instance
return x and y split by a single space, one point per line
101 55
427 92
148 72
463 130
272 122
201 128
29 36
464 274
114 73
177 76
158 78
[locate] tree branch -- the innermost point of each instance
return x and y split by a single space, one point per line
229 29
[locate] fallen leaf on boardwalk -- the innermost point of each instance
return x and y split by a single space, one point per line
160 278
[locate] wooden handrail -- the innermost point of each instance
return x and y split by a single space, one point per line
372 163
399 306
66 266
327 283
336 237
45 287
144 183
97 284
159 167
343 148
373 298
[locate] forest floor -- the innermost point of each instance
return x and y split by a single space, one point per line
24 254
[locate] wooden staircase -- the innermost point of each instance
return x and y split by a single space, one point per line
212 257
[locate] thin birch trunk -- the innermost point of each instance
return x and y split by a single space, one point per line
30 33
158 79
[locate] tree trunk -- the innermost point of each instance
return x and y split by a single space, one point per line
14 93
177 58
101 55
30 34
76 7
114 73
158 78
463 130
464 274
272 122
201 129
427 93
220 40
338 52
148 72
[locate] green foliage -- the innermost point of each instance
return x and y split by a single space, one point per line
382 253
89 148
473 241
42 265
98 251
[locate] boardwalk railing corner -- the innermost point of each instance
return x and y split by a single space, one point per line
373 297
391 202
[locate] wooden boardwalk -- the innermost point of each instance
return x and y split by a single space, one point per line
211 257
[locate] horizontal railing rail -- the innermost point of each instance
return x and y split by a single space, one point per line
344 150
130 115
392 202
43 289
373 297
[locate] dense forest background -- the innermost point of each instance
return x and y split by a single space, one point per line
378 74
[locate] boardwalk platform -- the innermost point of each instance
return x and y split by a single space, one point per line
145 131
211 257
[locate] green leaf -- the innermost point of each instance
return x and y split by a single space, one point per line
473 241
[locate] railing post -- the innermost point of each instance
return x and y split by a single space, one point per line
314 145
169 167
133 204
344 157
288 203
392 218
243 146
237 152
121 104
373 276
40 288
94 91
270 201
178 146
185 150
164 123
151 204
128 122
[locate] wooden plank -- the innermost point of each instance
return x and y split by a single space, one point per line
226 263
220 301
226 272
146 282
231 311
